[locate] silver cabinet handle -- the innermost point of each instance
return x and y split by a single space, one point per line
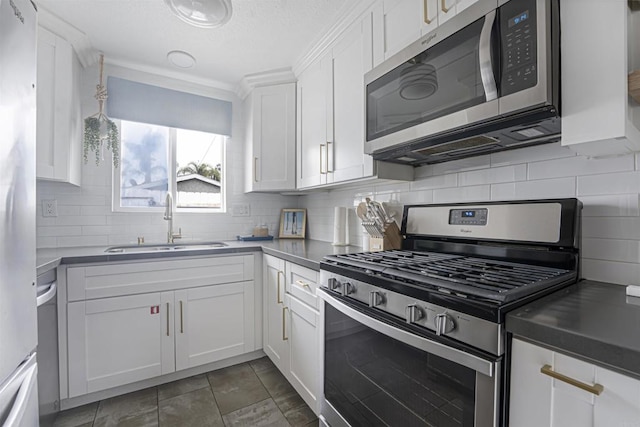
323 147
329 169
443 6
181 320
284 327
167 319
255 169
596 389
301 283
279 300
426 12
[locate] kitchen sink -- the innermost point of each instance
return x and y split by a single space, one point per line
165 247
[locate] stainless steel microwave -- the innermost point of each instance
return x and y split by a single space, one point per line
484 81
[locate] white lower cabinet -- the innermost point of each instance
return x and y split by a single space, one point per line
290 325
121 339
106 350
537 399
213 323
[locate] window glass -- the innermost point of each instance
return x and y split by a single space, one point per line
199 169
144 174
156 160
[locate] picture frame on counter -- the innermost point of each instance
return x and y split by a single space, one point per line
293 223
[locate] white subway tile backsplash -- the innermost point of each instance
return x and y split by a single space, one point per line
611 183
72 241
611 227
475 193
579 165
493 175
615 205
541 189
530 154
471 163
433 182
611 249
59 231
623 273
80 220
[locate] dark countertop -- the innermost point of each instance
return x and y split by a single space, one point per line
307 253
593 321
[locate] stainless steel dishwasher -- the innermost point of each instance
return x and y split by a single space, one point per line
47 352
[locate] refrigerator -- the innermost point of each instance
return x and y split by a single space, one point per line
18 316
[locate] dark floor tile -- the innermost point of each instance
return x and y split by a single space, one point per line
236 387
197 408
260 414
124 407
300 416
187 385
77 416
275 383
148 418
290 401
315 423
262 364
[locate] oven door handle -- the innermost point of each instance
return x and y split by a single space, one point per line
484 57
478 364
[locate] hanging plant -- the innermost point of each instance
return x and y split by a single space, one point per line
99 130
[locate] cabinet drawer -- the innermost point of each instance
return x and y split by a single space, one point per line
108 280
302 283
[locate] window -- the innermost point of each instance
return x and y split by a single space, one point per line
157 159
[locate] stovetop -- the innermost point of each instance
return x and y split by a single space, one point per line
465 276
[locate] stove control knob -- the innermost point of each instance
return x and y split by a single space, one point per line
444 324
348 288
413 313
375 298
334 284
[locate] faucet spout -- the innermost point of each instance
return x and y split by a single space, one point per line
168 216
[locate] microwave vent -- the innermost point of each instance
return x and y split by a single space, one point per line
461 146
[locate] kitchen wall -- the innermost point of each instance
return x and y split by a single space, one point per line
609 189
84 213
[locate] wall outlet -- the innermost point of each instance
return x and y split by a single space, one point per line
241 209
49 208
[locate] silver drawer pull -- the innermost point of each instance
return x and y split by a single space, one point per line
303 284
596 389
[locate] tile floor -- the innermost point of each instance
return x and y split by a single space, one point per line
249 394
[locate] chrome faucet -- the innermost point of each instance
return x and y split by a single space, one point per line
168 216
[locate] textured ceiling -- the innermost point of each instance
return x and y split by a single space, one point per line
262 35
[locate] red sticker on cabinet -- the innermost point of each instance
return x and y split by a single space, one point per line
155 309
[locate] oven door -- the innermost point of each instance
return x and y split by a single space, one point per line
376 373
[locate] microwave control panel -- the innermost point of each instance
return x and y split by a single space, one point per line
519 46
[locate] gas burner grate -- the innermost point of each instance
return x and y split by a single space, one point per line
466 276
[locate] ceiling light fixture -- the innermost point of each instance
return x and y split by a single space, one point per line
202 13
181 59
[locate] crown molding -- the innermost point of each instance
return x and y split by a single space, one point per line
87 54
349 13
266 78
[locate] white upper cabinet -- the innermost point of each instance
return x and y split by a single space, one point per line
59 117
598 116
331 113
402 22
271 145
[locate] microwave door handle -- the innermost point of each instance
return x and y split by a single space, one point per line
484 57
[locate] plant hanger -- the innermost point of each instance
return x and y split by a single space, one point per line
99 129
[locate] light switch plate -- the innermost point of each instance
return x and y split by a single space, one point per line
241 209
49 208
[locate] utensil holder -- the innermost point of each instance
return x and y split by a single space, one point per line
391 239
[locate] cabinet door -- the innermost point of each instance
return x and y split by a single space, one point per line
529 395
59 121
352 58
213 323
275 344
402 21
619 404
105 351
274 145
313 93
305 356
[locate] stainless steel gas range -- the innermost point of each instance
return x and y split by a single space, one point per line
415 337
